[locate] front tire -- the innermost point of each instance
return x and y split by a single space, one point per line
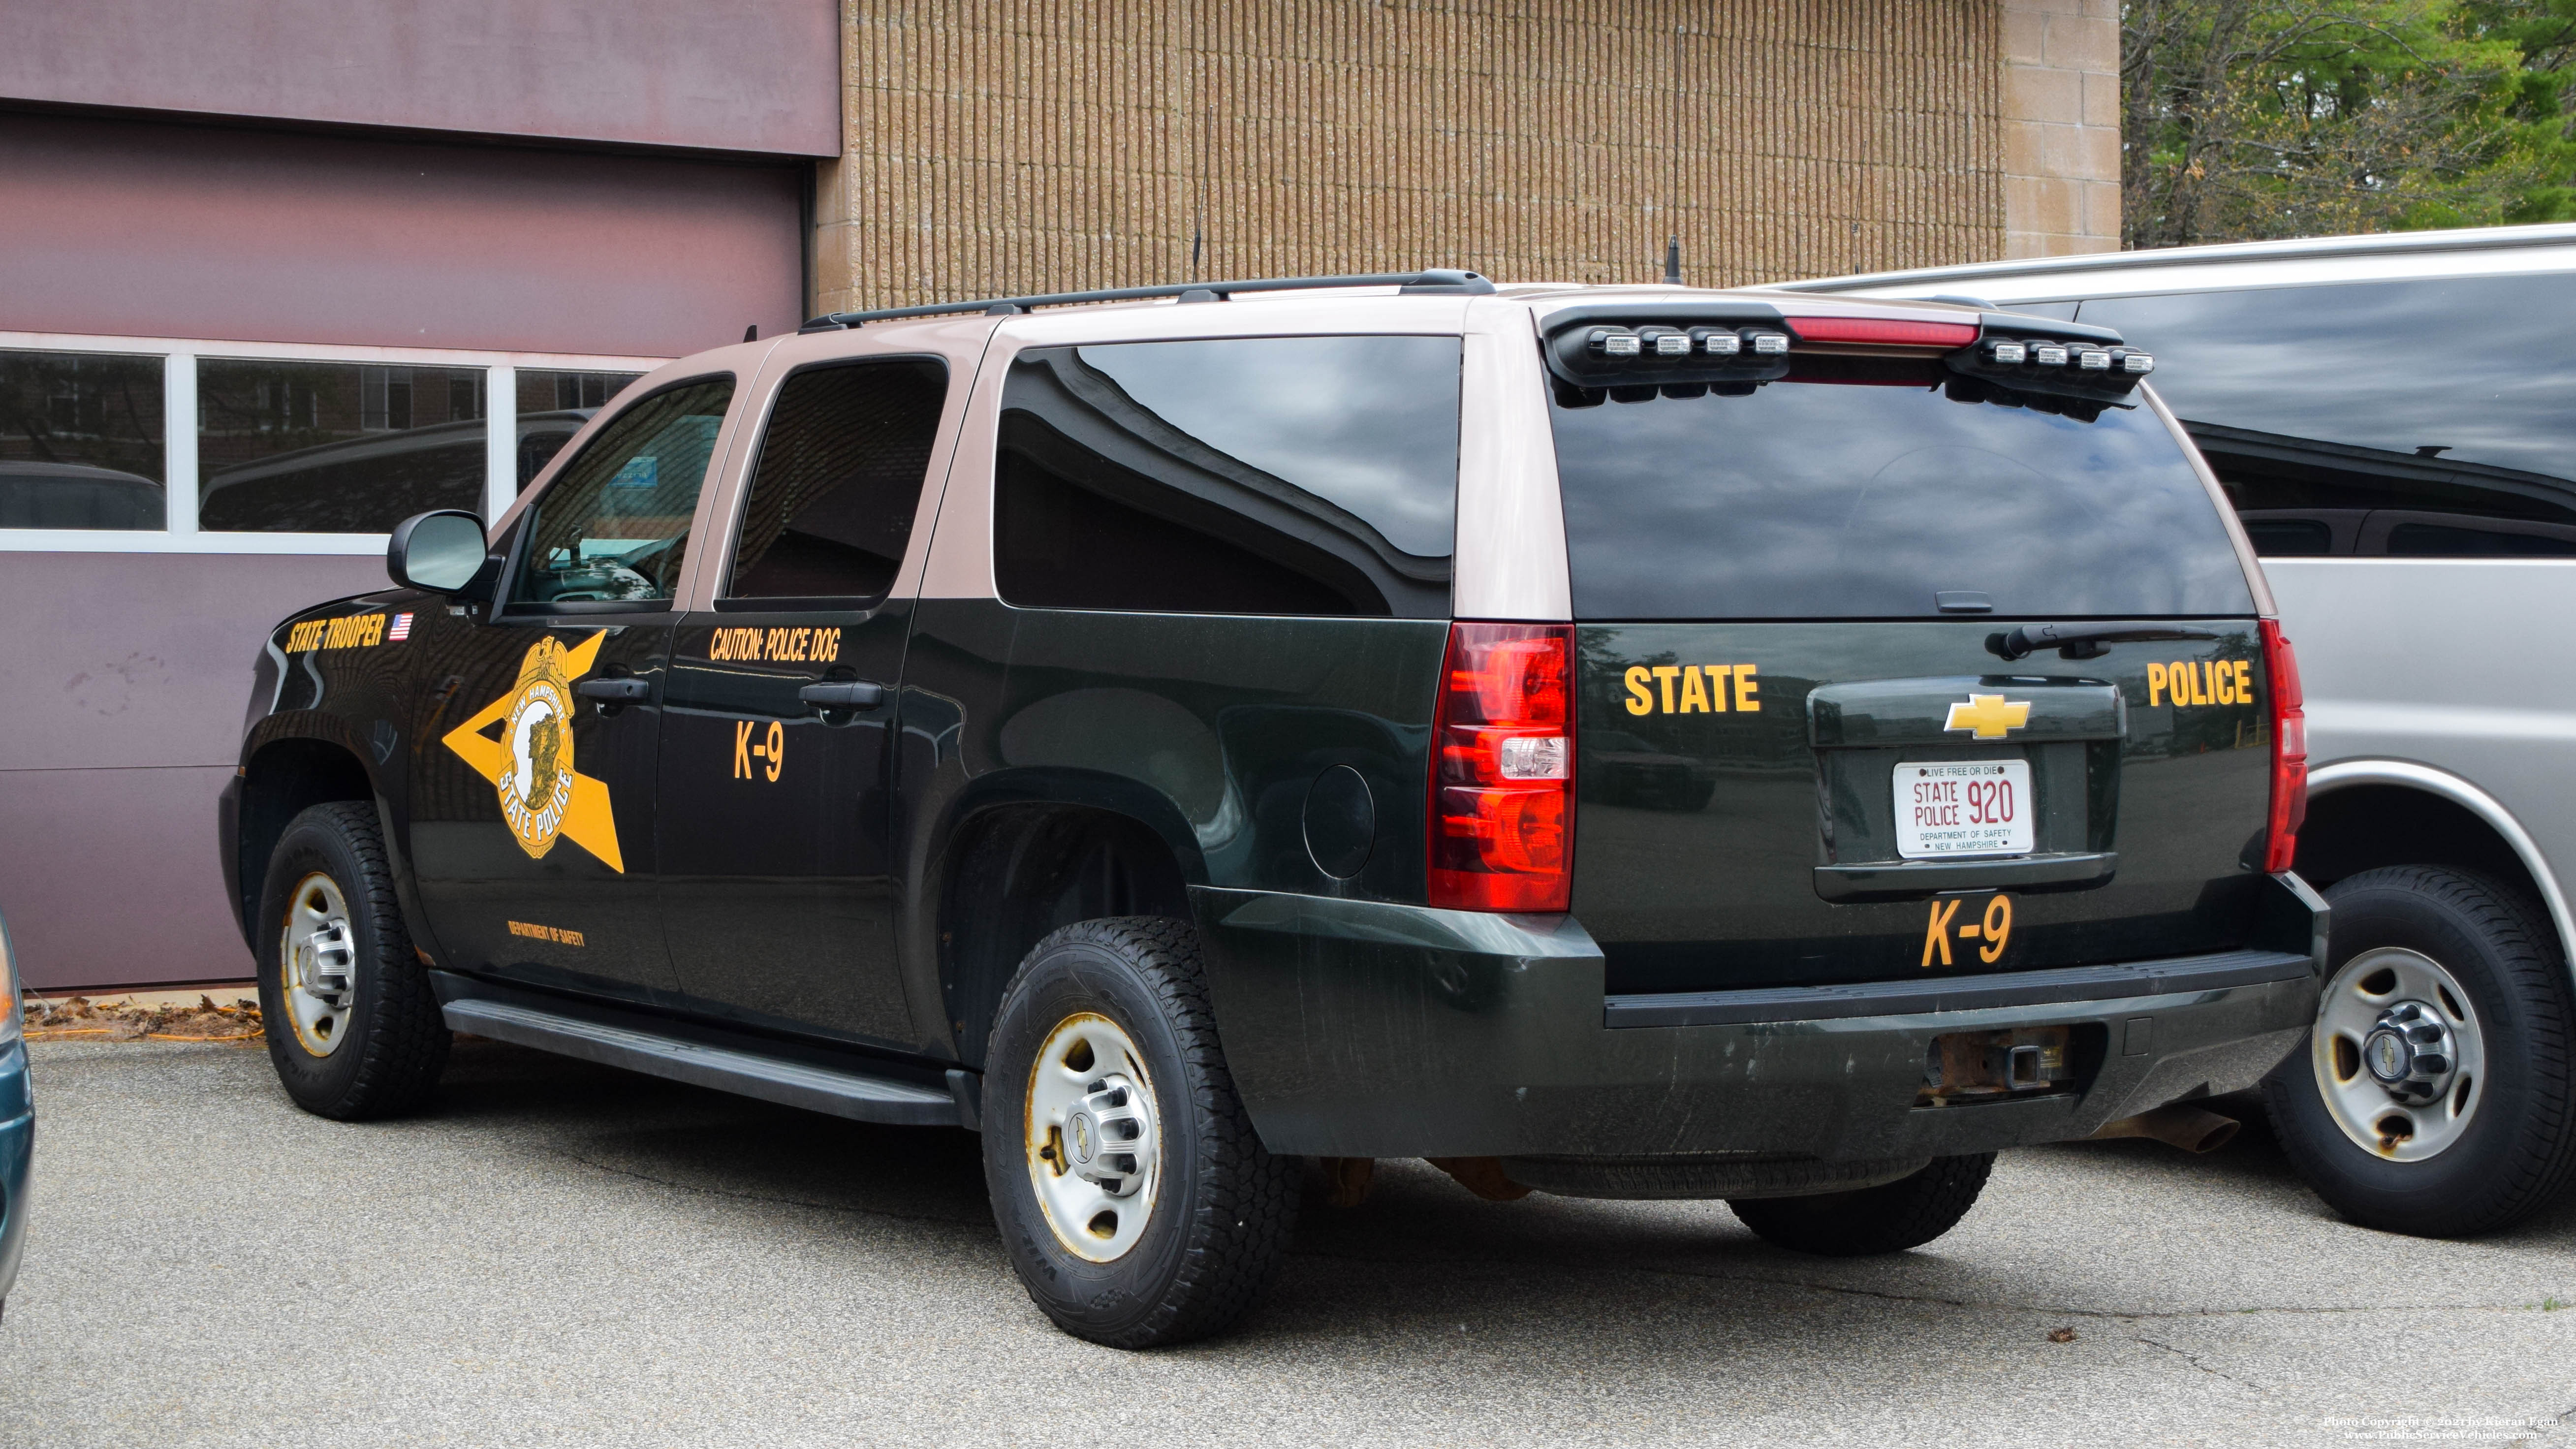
1137 1204
1890 1218
2437 1095
353 1028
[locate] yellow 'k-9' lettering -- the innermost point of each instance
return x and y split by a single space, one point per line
1693 689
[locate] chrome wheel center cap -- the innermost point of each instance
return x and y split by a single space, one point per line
2409 1052
1084 1137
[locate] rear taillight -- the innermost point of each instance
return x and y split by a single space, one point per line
1501 828
2289 749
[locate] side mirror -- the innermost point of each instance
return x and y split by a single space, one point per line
440 551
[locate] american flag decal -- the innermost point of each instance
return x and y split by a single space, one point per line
401 629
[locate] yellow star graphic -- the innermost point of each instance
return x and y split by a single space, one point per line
531 764
1989 715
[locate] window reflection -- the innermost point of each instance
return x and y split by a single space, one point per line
81 441
1296 475
553 404
2410 418
332 447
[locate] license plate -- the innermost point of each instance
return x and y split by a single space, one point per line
1963 807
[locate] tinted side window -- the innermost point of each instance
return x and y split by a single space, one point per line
2418 418
1277 475
614 525
839 477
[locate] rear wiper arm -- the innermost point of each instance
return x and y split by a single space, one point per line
2084 641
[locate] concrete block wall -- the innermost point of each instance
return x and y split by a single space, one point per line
2061 127
994 146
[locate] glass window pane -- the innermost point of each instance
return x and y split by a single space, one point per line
80 441
334 447
614 524
552 407
1861 487
839 478
2425 418
1278 475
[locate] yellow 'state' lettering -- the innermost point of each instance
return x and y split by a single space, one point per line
1679 688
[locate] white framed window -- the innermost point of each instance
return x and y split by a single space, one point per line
157 444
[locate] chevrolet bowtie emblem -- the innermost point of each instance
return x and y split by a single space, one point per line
1989 715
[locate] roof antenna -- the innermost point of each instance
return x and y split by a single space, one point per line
751 333
1672 261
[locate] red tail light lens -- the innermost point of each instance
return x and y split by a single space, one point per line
1501 826
2289 749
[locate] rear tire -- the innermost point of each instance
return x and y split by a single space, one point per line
1906 1213
353 1028
2498 1142
1108 1022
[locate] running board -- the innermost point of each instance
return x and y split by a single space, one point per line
796 1084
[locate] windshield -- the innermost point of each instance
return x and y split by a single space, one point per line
1863 487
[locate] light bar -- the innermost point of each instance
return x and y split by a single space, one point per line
1883 331
2137 364
2048 354
1614 342
1766 343
1716 341
2092 359
2005 352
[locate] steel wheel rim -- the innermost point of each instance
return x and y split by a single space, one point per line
2350 1054
1093 1137
318 964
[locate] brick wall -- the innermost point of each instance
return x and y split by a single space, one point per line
1028 145
2061 126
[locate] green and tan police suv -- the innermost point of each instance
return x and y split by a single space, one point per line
1616 742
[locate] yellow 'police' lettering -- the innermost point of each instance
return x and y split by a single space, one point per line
1641 700
2203 682
2155 684
2244 673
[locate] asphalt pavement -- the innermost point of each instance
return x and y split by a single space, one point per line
562 1254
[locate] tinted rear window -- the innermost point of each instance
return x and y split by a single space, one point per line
1859 488
2422 418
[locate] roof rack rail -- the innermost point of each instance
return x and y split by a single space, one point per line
1433 281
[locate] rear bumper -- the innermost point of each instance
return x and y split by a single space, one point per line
1363 1029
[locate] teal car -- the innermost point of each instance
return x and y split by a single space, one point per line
1613 742
17 1121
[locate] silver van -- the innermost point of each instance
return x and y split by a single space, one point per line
2394 418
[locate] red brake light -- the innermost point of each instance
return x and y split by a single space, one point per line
2289 749
1500 828
1887 331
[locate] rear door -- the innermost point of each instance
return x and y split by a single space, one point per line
1804 757
777 885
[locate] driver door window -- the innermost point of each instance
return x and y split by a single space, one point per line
613 529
